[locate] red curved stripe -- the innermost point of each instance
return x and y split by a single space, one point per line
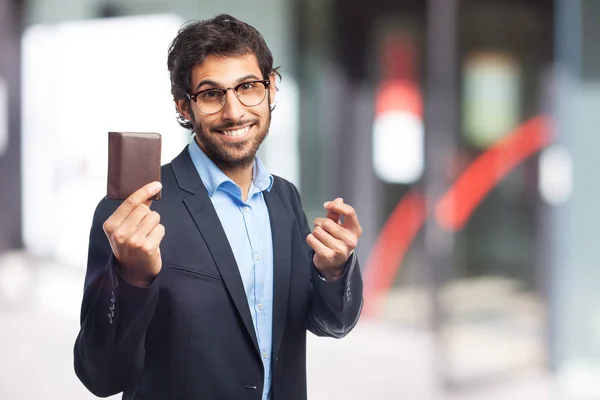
452 210
390 249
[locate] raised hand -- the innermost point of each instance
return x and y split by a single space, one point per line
135 233
334 240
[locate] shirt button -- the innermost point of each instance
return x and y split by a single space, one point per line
246 209
264 355
260 306
256 257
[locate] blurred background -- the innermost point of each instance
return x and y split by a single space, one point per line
464 132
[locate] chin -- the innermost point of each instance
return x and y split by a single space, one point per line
234 159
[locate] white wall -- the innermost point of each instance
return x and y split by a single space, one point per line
80 81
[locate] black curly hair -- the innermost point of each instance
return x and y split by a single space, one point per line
224 36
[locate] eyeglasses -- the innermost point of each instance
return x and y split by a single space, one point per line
212 101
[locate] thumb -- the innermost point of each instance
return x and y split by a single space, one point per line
333 215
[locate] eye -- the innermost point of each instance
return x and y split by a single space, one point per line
244 87
210 95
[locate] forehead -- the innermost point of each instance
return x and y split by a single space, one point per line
225 70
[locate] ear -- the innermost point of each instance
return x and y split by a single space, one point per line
272 88
183 106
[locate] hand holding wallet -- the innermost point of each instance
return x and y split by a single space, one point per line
133 161
134 233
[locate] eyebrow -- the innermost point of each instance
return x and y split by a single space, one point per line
215 84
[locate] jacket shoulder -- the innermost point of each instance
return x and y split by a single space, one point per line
283 186
288 191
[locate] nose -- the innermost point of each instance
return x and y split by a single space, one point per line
233 109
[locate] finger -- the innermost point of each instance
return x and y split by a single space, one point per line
350 217
319 247
140 196
130 224
337 231
138 237
147 225
335 216
154 239
338 246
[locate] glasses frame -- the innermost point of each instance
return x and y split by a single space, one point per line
194 96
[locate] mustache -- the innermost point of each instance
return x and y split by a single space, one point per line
230 125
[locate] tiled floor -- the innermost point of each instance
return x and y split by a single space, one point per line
39 307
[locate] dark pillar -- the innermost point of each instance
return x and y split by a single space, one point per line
10 124
440 131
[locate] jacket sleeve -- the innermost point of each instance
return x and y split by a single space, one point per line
109 350
335 306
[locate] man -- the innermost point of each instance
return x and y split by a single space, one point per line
208 293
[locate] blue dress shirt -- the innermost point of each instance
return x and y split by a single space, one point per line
248 230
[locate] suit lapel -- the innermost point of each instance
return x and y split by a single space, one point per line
206 219
281 231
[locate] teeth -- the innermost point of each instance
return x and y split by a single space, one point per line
237 132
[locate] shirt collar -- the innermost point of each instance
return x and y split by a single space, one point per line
213 177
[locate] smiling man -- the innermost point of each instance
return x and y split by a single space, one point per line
209 292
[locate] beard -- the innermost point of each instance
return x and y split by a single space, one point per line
231 155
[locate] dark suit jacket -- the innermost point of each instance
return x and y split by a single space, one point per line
190 334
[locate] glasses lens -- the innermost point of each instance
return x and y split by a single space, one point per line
251 93
210 101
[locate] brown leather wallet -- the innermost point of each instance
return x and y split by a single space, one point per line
133 162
